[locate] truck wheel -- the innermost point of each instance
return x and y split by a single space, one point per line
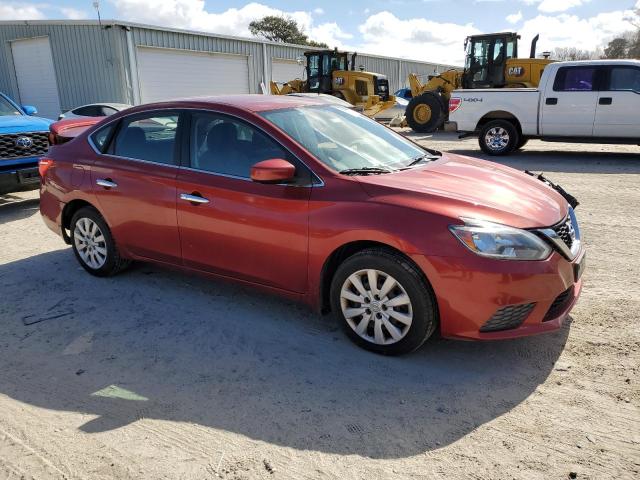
425 113
94 245
499 137
383 302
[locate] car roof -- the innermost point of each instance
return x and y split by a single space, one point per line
117 106
251 102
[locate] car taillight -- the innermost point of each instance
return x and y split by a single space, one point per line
454 104
43 165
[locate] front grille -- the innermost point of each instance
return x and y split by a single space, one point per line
10 146
564 230
559 304
382 88
507 318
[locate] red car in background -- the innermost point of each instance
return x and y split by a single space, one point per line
320 204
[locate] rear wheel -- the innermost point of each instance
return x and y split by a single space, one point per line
383 302
499 137
425 113
93 244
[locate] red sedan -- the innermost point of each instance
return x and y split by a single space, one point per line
320 204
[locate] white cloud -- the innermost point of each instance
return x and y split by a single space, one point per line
554 6
318 11
20 11
73 13
515 17
572 31
416 38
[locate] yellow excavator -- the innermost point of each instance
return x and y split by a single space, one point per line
328 71
491 61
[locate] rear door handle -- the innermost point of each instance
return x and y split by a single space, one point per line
551 101
193 198
605 101
106 183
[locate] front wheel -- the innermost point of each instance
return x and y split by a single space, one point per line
383 302
425 113
499 137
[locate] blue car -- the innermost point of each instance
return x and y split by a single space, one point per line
404 93
23 139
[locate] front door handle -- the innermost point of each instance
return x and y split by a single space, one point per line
551 101
106 183
605 101
193 197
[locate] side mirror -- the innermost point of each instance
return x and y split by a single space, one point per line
29 110
275 170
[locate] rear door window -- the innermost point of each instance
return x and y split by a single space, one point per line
624 79
150 137
575 79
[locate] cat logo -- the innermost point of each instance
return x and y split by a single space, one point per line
516 71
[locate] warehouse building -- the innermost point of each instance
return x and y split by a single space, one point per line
59 65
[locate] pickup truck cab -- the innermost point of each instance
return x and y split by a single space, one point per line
593 101
23 139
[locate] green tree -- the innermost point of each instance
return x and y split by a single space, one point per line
281 29
617 48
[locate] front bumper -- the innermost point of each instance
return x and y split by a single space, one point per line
21 176
471 290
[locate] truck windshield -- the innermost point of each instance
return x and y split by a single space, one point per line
343 139
7 108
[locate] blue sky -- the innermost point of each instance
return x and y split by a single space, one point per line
422 29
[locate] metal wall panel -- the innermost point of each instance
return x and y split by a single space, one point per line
87 60
93 64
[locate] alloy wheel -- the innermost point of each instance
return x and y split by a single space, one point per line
376 306
90 243
497 138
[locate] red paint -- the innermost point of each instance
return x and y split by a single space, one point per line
280 237
454 104
272 171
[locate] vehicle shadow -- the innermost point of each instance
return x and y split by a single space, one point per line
564 161
153 343
16 208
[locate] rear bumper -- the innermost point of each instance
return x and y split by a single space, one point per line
19 176
470 291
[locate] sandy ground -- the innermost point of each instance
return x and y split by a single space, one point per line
156 374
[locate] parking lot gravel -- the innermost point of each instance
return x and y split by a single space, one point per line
156 374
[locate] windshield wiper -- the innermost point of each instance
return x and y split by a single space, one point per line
421 158
365 171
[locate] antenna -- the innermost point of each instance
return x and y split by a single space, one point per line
96 5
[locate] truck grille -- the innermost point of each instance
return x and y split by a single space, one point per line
21 145
507 318
382 88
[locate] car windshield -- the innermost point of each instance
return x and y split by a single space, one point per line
7 108
344 140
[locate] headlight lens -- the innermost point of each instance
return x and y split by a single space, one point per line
500 241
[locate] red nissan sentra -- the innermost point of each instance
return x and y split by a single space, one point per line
320 204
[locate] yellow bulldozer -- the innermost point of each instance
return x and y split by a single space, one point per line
491 61
333 73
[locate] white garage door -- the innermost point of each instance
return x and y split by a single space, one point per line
284 70
36 77
165 74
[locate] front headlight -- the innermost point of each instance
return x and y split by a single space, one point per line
500 241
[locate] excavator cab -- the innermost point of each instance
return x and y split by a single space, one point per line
486 57
320 67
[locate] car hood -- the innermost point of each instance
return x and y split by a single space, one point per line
458 186
23 123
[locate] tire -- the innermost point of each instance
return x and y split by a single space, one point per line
425 113
93 244
499 137
523 141
419 316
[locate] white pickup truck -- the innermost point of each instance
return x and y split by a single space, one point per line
593 101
